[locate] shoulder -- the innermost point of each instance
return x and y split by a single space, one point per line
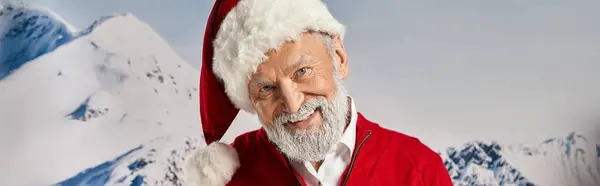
407 145
404 146
253 147
425 164
411 147
409 150
398 142
247 141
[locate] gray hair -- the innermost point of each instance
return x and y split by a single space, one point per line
328 41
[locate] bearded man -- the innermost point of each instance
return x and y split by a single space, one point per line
284 61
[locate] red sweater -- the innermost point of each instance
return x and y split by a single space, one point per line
381 157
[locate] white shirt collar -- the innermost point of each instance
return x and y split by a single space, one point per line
349 136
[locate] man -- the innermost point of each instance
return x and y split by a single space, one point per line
284 60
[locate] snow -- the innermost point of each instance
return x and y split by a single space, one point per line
93 99
114 105
570 160
26 33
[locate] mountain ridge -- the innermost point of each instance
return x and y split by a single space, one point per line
113 89
491 163
30 31
27 33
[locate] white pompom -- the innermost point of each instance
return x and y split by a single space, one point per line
214 165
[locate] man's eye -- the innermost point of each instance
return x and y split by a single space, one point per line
303 71
266 88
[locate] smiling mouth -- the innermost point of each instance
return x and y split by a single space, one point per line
303 118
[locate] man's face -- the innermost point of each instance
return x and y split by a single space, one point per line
299 97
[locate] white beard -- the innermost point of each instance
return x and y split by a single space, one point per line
315 142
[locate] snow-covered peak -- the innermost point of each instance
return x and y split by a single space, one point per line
113 32
14 7
569 160
101 20
27 32
479 163
116 88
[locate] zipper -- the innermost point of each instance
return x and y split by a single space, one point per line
292 170
354 159
349 170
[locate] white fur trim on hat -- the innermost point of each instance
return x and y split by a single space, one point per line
252 28
214 165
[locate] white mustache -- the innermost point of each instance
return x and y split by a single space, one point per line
308 108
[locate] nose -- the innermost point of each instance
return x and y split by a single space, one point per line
290 96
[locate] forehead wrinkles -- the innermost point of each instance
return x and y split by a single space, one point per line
297 61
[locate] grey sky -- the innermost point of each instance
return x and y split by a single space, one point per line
463 69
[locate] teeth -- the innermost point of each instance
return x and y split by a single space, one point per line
303 117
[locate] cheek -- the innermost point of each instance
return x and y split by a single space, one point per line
266 113
324 85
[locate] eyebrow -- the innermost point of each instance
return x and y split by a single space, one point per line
260 81
299 61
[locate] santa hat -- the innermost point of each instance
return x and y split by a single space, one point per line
238 35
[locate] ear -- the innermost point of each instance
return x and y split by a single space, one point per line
342 58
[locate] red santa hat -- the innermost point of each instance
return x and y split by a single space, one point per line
238 35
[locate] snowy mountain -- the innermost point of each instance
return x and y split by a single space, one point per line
114 87
113 104
158 162
478 163
572 160
26 33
